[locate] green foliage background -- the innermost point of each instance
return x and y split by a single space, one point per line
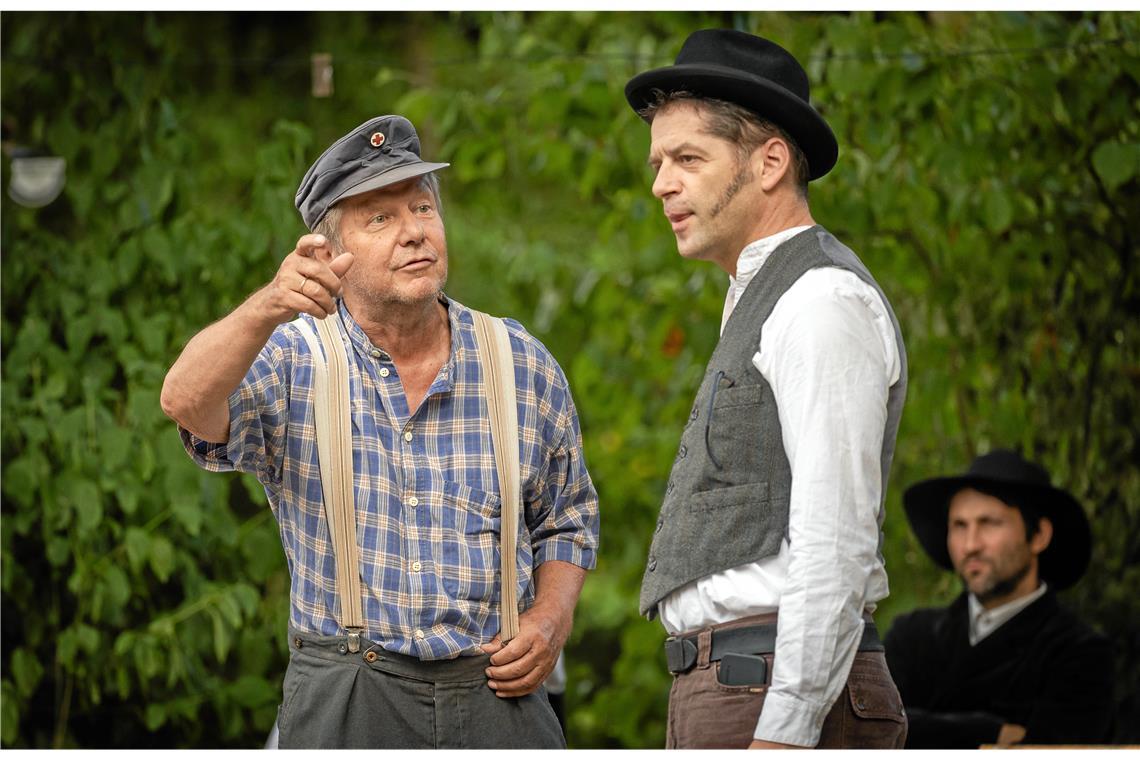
989 175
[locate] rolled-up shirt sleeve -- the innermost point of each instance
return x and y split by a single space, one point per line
562 513
258 419
830 361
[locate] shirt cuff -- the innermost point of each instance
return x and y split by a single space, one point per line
789 720
212 457
565 549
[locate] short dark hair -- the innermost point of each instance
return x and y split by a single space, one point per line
736 124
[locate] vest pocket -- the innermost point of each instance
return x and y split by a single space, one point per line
734 434
731 496
739 395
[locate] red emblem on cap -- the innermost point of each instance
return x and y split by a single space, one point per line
377 139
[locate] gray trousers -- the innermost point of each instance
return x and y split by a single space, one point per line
383 700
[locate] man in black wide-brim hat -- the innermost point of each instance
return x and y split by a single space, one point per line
1004 663
765 564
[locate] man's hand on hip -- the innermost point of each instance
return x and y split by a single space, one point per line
520 666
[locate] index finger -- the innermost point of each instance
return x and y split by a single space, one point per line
308 245
515 649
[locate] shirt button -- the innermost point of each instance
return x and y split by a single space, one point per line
384 372
416 566
408 436
375 353
413 502
419 634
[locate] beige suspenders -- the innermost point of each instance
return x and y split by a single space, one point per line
498 363
334 454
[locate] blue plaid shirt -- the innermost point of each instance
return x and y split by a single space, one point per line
426 488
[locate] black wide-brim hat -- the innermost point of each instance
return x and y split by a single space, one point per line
1007 476
752 72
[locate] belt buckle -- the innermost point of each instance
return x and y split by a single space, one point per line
680 654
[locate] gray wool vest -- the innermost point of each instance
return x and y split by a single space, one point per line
727 500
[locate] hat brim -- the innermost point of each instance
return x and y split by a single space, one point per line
393 176
1064 560
763 96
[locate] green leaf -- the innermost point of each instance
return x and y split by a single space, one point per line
161 557
230 607
222 636
155 716
188 511
21 479
137 542
116 444
251 691
996 210
247 597
26 671
117 588
88 638
9 713
58 551
88 504
1116 163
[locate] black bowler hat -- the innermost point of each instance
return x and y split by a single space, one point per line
380 152
1006 475
752 72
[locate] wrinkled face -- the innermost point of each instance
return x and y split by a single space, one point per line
987 544
397 237
710 195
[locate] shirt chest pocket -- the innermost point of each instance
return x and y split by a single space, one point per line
470 556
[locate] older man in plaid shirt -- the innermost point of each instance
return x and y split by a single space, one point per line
432 671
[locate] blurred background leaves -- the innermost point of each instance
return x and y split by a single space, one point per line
989 175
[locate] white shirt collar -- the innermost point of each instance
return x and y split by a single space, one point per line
748 264
983 622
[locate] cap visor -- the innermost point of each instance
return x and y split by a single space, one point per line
391 177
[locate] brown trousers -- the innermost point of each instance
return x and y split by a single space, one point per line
704 713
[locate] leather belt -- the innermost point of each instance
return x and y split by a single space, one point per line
681 651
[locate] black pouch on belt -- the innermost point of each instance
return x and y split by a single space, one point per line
743 670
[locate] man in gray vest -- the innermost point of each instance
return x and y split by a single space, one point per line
775 502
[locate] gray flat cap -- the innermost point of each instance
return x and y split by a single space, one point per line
380 152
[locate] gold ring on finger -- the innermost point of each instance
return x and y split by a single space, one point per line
304 282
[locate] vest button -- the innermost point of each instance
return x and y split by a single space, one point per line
669 488
370 656
695 413
659 524
683 452
652 564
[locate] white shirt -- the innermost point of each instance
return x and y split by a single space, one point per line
828 351
983 622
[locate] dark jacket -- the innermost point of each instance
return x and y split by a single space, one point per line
1044 669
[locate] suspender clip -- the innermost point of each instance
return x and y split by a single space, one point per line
354 640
